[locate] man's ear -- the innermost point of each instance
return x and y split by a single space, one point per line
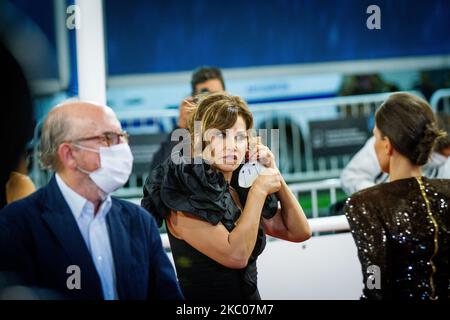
66 156
388 146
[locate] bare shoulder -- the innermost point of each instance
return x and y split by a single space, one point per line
181 224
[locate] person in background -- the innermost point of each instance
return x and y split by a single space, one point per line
401 228
16 129
19 184
363 170
443 144
204 80
71 236
16 118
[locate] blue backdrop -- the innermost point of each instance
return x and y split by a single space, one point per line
172 35
147 36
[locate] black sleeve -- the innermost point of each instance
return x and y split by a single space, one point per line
371 241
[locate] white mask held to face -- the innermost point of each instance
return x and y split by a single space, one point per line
116 163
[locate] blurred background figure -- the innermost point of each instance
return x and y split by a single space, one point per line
364 84
16 127
443 144
19 185
16 130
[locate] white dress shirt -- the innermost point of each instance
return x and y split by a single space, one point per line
94 230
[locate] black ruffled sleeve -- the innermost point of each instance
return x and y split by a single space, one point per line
198 190
193 188
152 198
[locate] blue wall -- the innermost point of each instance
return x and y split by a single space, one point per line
147 36
175 35
29 29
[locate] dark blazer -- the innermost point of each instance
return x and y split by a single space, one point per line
40 239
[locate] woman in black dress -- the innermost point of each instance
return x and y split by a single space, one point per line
216 228
401 228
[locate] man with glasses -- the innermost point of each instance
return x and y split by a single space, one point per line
71 236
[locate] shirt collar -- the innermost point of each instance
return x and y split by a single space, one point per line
77 203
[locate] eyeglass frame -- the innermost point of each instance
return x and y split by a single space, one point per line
123 137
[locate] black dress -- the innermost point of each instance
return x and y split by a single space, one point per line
203 192
402 228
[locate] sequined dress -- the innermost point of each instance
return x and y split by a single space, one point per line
401 230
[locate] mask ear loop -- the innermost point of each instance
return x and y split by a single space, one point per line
86 148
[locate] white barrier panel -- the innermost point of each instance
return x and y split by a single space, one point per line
326 224
322 268
441 95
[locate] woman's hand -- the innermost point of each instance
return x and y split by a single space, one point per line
262 153
268 181
185 109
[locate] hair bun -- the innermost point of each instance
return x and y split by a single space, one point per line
426 143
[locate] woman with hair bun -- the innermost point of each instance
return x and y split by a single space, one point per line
401 228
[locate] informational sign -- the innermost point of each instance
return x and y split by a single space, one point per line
338 137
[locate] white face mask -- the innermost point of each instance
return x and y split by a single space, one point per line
116 163
436 160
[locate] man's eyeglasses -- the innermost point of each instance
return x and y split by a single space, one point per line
110 138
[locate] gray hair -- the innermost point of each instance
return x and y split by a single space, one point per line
56 130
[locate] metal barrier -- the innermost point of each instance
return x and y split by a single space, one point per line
296 143
318 225
313 187
441 95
